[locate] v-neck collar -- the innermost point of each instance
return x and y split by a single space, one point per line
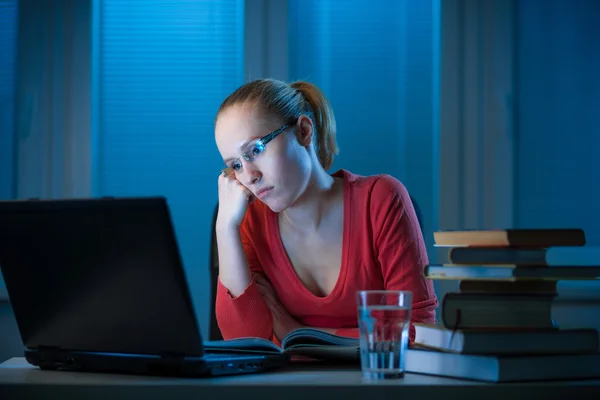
287 266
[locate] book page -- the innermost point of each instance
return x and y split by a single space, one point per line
308 337
250 345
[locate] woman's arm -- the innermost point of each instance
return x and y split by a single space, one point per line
346 332
400 248
241 310
234 272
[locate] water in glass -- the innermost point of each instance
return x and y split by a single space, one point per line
383 340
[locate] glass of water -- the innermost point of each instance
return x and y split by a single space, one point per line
383 320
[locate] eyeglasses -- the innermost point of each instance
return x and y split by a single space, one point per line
256 148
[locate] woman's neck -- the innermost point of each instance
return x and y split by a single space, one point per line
309 211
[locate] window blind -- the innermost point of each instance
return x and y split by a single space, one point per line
164 67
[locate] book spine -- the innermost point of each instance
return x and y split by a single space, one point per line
497 312
496 255
532 287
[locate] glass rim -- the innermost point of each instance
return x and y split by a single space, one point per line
368 298
382 291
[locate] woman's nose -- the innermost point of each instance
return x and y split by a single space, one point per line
251 173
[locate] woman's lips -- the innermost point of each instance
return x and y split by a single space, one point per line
263 192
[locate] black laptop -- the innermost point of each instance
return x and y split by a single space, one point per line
98 285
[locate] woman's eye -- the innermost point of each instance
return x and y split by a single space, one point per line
236 166
259 148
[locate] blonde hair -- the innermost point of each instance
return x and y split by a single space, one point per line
290 101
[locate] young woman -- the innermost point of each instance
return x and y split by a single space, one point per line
296 243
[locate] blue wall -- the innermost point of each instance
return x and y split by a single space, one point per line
8 53
558 151
378 64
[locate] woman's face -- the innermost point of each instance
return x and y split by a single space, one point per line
280 173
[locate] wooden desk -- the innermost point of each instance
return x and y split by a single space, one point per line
19 380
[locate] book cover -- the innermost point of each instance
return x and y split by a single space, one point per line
509 272
494 368
510 238
507 342
497 311
552 256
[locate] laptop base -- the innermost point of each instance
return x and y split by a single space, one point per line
133 364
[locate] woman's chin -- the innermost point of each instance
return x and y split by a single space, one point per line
275 205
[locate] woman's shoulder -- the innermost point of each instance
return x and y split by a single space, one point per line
378 186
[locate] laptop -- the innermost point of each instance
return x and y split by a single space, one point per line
98 285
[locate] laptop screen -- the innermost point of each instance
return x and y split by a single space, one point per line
100 275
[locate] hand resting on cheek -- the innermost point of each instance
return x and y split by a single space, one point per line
234 199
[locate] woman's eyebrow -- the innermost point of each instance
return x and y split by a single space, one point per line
241 147
245 144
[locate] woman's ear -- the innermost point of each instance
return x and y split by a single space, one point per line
304 130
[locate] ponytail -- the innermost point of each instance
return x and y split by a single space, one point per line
323 119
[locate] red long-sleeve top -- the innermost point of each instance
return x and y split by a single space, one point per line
382 248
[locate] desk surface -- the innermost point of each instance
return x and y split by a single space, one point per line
304 381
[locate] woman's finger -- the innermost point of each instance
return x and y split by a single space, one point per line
267 293
260 279
264 294
271 304
262 286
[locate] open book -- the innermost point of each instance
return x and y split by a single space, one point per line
307 342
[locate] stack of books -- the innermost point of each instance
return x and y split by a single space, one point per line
498 326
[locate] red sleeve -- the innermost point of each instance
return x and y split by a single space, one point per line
348 332
400 247
246 315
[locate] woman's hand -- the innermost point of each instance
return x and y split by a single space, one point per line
234 199
283 322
